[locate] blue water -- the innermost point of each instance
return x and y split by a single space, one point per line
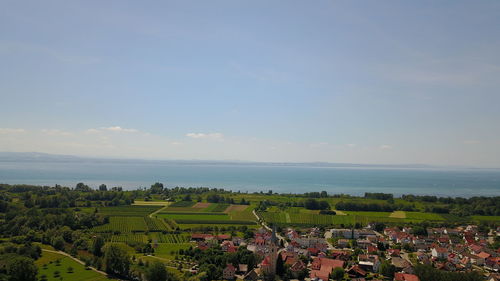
279 178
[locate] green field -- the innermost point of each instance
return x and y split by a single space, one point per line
141 238
182 204
369 214
168 250
220 208
194 216
204 218
155 224
486 218
295 216
52 263
123 211
169 238
123 225
424 216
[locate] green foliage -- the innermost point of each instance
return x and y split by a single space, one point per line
156 188
313 204
117 260
429 273
21 269
388 270
337 273
97 245
157 272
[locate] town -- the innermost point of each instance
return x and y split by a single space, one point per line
360 254
201 234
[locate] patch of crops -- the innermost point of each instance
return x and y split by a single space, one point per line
169 238
195 221
424 216
246 214
171 223
369 214
486 218
123 225
128 238
128 211
155 224
193 214
182 204
220 208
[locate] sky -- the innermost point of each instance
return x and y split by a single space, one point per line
379 82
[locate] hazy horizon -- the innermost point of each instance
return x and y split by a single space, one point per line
284 81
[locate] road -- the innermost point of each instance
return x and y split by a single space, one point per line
328 235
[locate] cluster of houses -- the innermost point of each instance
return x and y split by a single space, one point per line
360 252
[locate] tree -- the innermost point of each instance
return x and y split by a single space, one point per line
387 269
157 272
337 273
103 187
97 246
22 269
58 243
117 260
82 187
157 188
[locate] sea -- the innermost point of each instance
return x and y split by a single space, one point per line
256 177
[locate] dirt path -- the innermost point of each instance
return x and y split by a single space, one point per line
75 259
268 228
157 211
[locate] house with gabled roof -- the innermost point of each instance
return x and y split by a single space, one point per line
322 267
228 272
405 277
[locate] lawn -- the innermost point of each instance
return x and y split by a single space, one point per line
168 250
57 267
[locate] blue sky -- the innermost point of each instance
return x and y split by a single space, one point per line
337 81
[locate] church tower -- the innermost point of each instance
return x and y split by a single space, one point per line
273 255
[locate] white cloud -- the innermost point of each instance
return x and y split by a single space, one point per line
119 129
111 129
385 146
11 131
351 144
55 132
210 136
